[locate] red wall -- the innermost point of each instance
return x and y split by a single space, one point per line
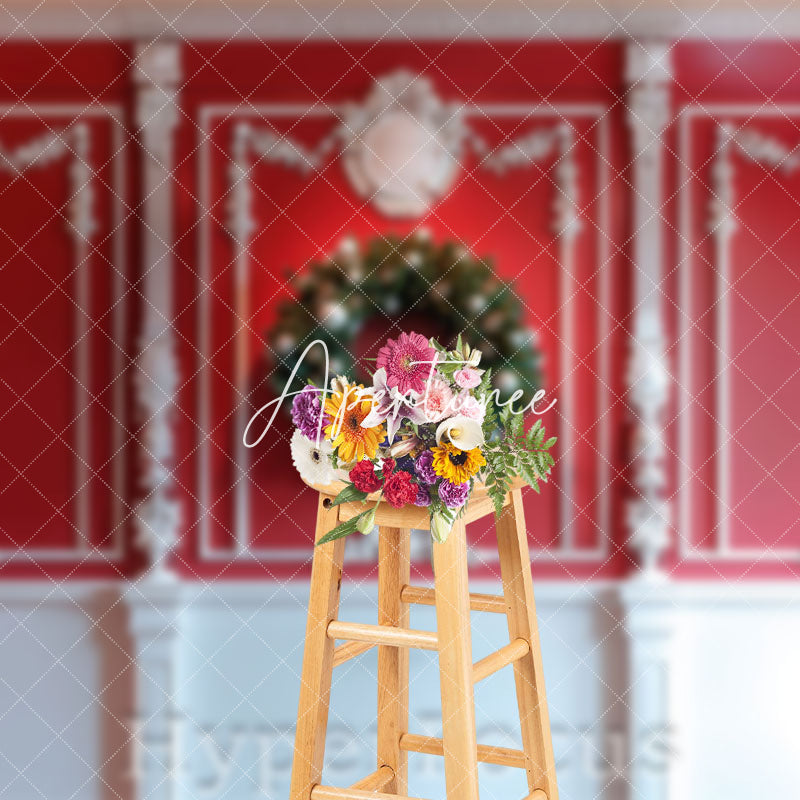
301 218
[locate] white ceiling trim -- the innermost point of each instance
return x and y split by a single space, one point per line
244 21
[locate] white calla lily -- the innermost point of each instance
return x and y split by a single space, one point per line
462 432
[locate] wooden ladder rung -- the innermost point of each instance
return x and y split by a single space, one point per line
477 602
344 652
512 652
332 793
382 634
376 781
504 756
539 794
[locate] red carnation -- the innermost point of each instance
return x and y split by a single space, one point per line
388 467
399 490
364 478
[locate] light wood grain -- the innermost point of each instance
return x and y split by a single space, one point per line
376 781
489 754
382 634
331 793
315 681
477 602
479 506
453 641
394 572
455 665
388 517
500 658
344 652
515 568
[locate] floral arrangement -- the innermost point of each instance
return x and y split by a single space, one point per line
427 429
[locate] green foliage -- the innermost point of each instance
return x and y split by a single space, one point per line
348 495
512 452
344 528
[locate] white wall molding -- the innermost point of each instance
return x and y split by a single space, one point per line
73 141
155 610
217 670
736 133
551 140
40 152
687 595
651 620
757 148
156 74
359 21
648 73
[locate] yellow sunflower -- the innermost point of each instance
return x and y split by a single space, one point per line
457 466
346 410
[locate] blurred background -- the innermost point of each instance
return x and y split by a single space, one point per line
602 196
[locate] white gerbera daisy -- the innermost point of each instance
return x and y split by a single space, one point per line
312 462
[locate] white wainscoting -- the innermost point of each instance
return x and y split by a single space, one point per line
697 683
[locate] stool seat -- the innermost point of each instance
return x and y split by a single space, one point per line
452 641
479 505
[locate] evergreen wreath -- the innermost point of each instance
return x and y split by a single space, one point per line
392 277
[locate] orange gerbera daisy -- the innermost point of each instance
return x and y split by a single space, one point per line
347 409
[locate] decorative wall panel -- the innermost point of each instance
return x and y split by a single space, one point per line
535 190
65 357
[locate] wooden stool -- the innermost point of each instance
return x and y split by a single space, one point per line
452 641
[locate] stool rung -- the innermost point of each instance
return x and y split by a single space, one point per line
539 794
489 754
376 781
512 652
332 793
344 652
383 634
477 602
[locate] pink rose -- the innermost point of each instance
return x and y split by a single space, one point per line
468 406
436 401
467 377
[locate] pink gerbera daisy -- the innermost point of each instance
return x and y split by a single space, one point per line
408 362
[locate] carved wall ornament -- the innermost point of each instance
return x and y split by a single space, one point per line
401 148
649 72
157 72
402 145
764 149
44 150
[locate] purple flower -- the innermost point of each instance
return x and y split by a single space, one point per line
306 412
423 466
454 495
423 496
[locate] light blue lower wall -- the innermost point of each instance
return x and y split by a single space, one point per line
242 676
185 691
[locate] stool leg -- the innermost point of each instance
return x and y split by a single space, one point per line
394 572
315 684
455 665
515 567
